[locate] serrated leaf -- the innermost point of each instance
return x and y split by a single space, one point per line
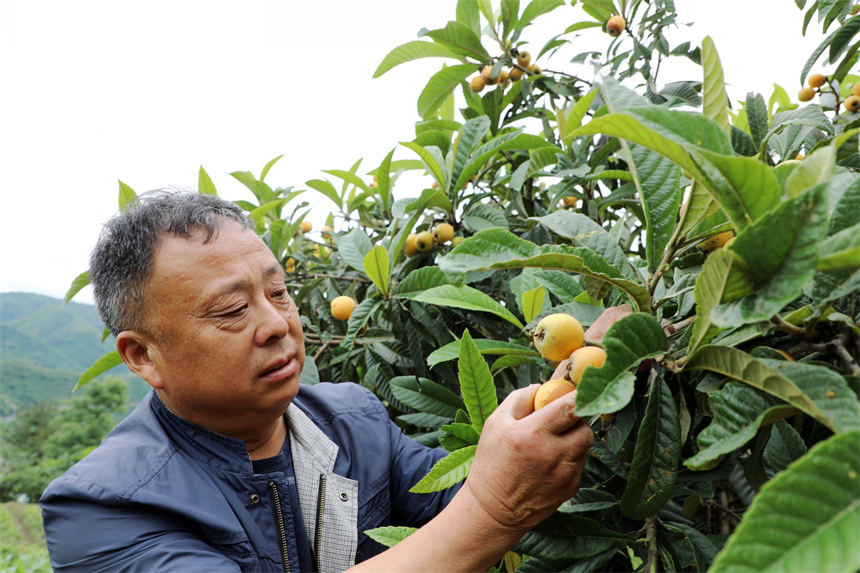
127 196
739 411
358 320
450 470
433 166
470 135
588 499
419 280
563 537
390 535
585 232
536 8
100 366
816 168
780 251
476 383
533 303
78 283
658 181
440 86
425 395
758 118
628 342
412 51
204 183
467 298
805 518
376 267
460 38
501 249
452 350
654 468
353 247
715 100
745 368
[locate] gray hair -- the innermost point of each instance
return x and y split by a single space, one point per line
121 263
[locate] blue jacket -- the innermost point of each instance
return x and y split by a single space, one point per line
163 494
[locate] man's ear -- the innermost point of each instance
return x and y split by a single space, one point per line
137 350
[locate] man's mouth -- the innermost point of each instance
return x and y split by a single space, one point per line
283 368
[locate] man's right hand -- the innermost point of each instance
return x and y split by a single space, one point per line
529 462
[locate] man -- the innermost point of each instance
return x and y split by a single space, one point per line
229 465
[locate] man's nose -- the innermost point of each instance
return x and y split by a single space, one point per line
273 324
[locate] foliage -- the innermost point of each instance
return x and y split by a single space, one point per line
44 440
737 373
22 542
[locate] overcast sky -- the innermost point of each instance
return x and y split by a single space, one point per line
146 92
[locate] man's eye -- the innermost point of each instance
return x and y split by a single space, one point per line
234 312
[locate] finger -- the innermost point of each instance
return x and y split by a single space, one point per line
560 370
519 403
559 415
599 327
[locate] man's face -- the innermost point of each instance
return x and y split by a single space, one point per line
227 344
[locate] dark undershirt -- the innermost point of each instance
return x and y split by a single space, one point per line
283 463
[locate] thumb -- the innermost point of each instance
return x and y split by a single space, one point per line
519 403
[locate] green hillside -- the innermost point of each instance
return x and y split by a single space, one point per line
44 348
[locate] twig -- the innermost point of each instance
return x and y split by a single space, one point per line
671 329
841 351
783 325
320 351
653 550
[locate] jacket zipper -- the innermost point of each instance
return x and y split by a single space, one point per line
318 532
279 523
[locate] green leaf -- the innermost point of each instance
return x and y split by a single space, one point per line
564 537
585 232
419 280
780 251
204 183
816 168
476 383
741 366
654 468
467 298
534 9
501 249
412 51
440 86
448 471
658 181
353 247
784 446
80 282
461 39
376 267
127 196
470 135
805 518
451 350
358 320
268 167
503 142
99 367
715 101
326 188
430 162
739 411
533 302
390 535
426 396
383 180
310 375
723 277
628 342
758 118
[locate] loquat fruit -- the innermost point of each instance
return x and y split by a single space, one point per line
552 390
806 94
342 307
582 357
306 226
716 241
515 74
816 80
852 103
424 241
616 25
326 232
535 70
557 335
524 59
477 84
456 240
409 247
443 232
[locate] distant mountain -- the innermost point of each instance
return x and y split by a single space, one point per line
45 347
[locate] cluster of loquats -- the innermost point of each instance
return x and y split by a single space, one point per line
560 337
521 65
819 83
426 240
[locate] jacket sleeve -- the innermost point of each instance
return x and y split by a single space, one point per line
83 535
411 462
